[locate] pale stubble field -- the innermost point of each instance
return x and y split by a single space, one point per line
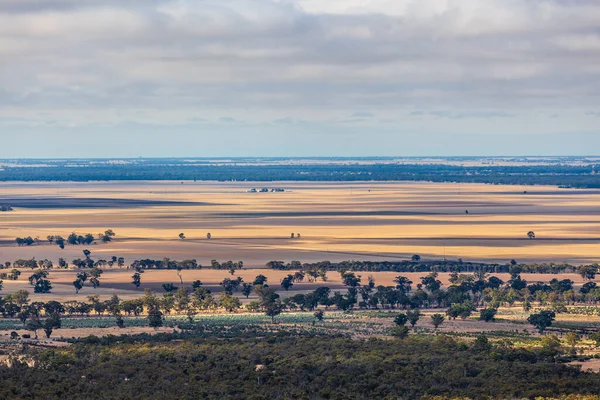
337 221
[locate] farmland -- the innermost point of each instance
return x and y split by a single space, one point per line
456 256
337 221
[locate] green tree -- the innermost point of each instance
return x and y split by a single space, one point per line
229 302
401 319
287 282
42 286
488 314
588 272
34 324
50 323
572 339
481 343
137 279
155 318
413 317
169 287
260 280
274 309
400 332
78 284
95 277
319 314
542 320
437 320
247 289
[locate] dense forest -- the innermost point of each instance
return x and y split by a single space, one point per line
559 174
288 366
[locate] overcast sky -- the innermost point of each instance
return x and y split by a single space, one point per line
128 78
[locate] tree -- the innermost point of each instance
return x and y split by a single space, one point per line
260 280
53 307
50 323
531 235
14 274
351 280
437 320
319 314
107 236
416 258
196 284
266 295
95 277
155 318
181 236
42 286
400 332
542 320
20 297
462 310
137 279
401 319
169 287
413 317
431 282
36 276
229 302
488 314
78 284
34 324
287 282
481 343
588 272
247 289
572 339
403 284
273 309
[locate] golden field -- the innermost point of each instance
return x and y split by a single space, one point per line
337 221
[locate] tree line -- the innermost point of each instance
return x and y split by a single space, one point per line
547 174
73 239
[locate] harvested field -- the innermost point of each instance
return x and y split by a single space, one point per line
337 221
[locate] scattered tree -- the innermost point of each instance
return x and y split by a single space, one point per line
437 320
542 320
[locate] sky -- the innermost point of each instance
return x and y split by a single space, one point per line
154 78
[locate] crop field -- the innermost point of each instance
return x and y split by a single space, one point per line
336 221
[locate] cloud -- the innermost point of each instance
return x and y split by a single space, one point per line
281 61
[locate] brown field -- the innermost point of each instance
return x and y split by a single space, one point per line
337 221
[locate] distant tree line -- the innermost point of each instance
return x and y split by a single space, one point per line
73 239
528 174
416 264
